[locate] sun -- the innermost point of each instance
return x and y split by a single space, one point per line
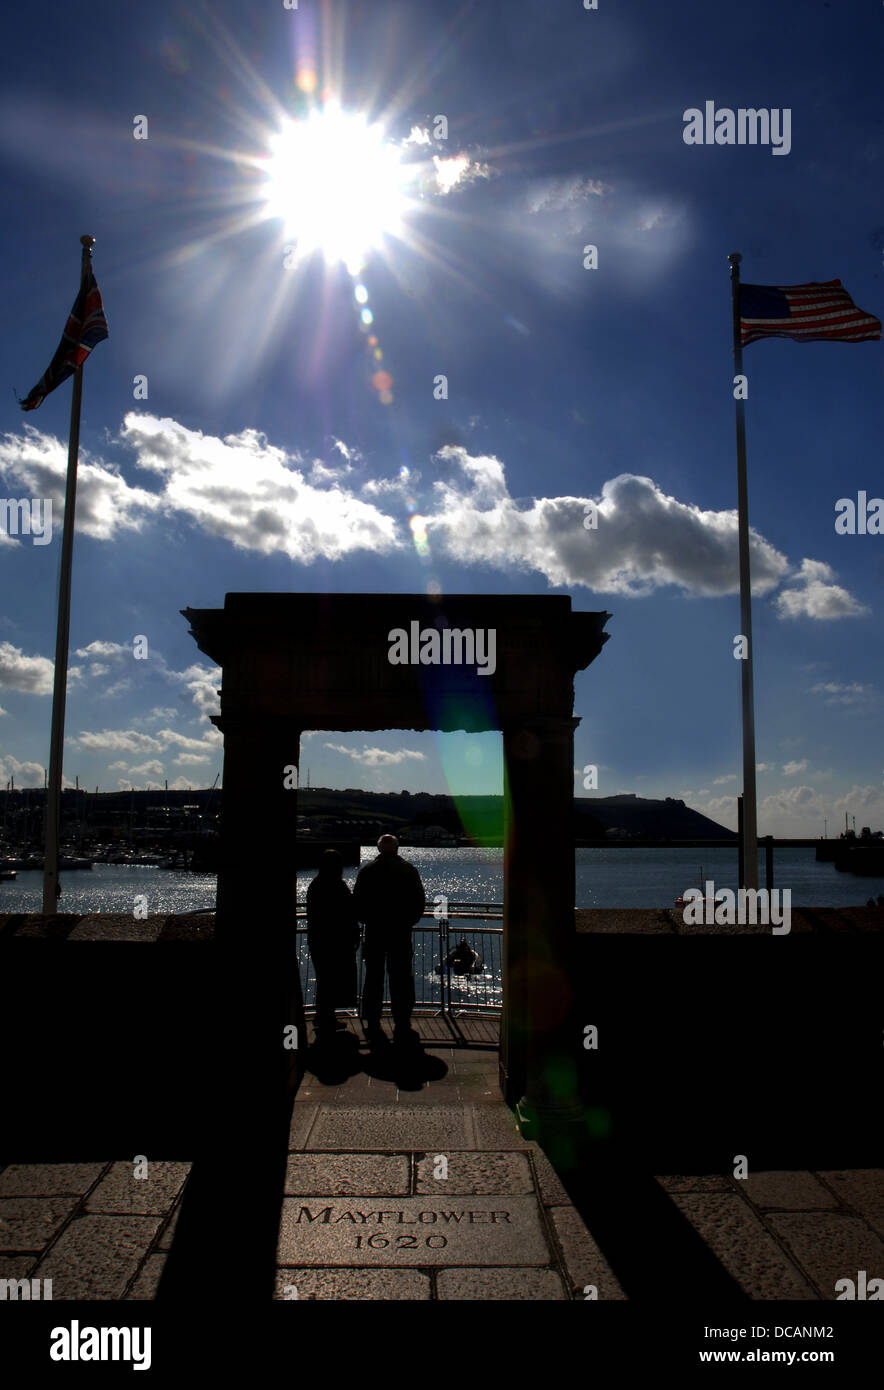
337 184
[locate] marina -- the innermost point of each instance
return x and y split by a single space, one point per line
605 877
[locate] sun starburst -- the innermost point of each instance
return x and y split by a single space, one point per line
337 184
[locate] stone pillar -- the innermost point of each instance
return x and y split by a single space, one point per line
255 917
538 1071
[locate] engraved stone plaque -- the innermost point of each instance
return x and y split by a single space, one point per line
408 1231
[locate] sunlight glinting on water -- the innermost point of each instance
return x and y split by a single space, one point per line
604 878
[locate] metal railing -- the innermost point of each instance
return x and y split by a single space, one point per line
439 985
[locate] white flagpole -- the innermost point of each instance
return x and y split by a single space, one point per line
51 885
750 820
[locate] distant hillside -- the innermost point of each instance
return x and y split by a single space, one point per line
482 816
331 811
670 819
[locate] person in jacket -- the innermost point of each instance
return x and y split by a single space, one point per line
390 900
333 937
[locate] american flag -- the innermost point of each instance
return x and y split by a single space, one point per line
85 327
807 313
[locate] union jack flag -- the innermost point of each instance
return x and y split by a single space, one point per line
85 327
821 309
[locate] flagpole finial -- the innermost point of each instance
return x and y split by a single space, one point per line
87 243
734 258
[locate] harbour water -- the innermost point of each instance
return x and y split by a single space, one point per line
604 878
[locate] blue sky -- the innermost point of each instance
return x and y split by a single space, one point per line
269 454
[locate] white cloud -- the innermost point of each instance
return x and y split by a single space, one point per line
550 223
164 713
106 504
24 774
791 769
554 195
376 757
189 758
99 649
402 485
722 809
31 674
212 736
202 682
645 539
240 488
799 811
818 597
255 495
119 740
838 693
456 171
149 769
323 473
133 741
720 781
118 688
347 451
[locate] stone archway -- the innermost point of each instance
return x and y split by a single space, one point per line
292 662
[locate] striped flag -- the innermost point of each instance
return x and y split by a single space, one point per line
85 327
807 313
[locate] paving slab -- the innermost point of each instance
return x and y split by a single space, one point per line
391 1127
115 926
473 1230
120 1191
148 1281
583 1259
863 1190
496 1128
534 1285
748 1252
432 1093
378 1285
303 1117
488 1173
686 1182
790 1191
479 1088
48 1179
29 1223
830 1246
97 1255
552 1191
165 1240
381 1175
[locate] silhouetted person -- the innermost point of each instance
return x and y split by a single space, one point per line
333 936
389 898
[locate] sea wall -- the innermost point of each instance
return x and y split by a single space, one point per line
710 1047
118 1040
111 1029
